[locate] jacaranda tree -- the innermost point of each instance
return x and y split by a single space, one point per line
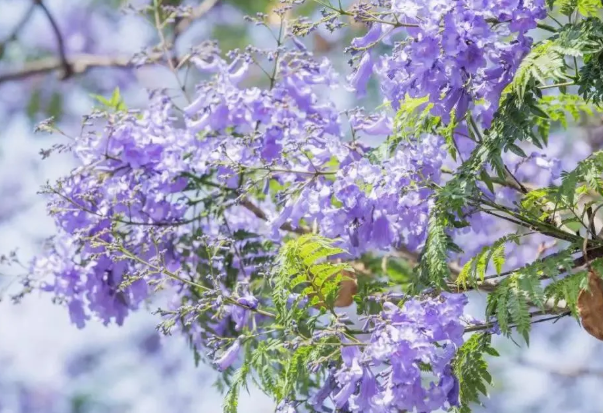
325 253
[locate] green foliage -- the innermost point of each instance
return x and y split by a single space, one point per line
586 8
475 268
558 107
590 78
381 273
560 204
414 119
433 267
277 370
515 121
567 289
450 200
510 303
471 370
587 176
115 103
231 401
296 369
301 266
547 60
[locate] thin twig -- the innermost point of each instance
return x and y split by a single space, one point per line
520 185
543 87
176 277
491 282
533 314
79 64
166 48
67 70
413 257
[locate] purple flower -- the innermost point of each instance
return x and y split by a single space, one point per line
382 234
229 356
380 124
373 35
360 77
451 383
77 314
248 301
455 56
385 376
286 407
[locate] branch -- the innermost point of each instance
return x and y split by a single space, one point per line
513 184
67 70
491 282
558 314
403 252
79 64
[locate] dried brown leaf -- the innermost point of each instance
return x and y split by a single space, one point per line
347 289
590 306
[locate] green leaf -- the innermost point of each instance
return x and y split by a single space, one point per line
567 289
517 150
498 257
471 370
510 303
433 267
546 62
303 264
588 172
587 8
590 78
487 180
413 118
475 268
34 104
231 401
115 103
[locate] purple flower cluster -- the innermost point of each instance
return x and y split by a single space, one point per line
135 180
130 177
457 52
376 205
297 139
282 118
405 365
